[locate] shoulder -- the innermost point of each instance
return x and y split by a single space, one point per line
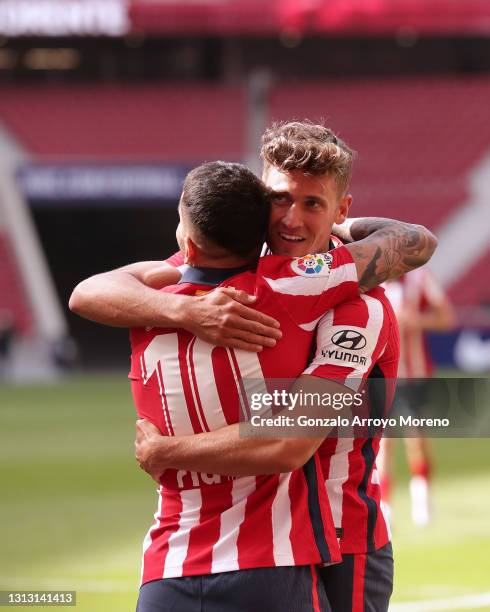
365 310
362 324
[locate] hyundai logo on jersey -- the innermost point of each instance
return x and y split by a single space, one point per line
349 339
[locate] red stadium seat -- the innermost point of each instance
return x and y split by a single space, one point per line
473 287
184 124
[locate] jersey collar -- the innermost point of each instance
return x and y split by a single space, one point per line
215 276
210 276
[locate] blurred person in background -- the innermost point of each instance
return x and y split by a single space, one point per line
421 306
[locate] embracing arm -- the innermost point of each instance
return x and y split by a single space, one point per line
129 297
223 451
126 297
229 450
386 248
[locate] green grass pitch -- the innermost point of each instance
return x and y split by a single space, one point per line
75 506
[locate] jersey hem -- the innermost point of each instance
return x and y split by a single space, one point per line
363 550
204 570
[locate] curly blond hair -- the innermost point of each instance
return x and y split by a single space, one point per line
309 147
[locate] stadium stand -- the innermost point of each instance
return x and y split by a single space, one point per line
417 139
473 287
253 16
115 122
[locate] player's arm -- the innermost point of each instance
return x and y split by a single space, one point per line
127 297
230 451
438 315
385 249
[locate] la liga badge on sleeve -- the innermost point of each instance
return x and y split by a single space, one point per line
318 264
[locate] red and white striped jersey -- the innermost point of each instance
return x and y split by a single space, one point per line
357 340
206 523
414 292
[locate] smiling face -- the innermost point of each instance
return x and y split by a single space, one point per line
303 209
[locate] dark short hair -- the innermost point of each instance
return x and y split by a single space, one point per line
228 205
309 147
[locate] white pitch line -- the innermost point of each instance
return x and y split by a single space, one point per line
464 602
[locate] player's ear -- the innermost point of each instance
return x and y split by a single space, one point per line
190 251
343 211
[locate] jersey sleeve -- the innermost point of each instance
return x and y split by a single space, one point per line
350 339
307 287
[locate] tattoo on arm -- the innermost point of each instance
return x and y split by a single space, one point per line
387 249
